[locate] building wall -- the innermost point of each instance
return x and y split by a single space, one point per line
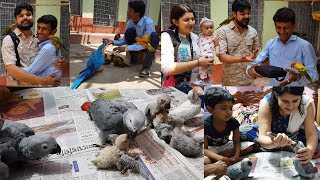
201 9
304 21
154 10
218 11
87 8
53 10
270 8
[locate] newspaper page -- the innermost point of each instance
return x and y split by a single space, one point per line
57 111
274 165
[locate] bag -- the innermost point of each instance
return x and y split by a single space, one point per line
16 42
169 81
271 72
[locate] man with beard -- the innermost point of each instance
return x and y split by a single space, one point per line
137 26
27 49
239 44
285 49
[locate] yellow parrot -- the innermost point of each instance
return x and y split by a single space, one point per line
303 70
144 41
9 29
57 42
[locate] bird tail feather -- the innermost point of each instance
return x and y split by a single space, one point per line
84 74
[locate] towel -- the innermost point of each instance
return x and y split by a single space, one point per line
296 119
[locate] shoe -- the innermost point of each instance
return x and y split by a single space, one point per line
144 73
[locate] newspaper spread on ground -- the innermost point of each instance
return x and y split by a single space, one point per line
274 165
57 111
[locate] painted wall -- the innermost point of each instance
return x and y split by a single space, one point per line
87 8
43 10
270 8
219 12
154 10
122 11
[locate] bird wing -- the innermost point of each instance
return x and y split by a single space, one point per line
106 114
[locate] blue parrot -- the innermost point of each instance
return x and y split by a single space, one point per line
94 62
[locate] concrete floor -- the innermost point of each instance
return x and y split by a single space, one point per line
112 77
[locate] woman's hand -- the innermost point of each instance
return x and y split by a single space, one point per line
280 140
205 61
304 155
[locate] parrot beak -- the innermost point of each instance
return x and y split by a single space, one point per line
133 134
56 150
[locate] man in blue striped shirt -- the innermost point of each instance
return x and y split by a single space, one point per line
285 49
137 26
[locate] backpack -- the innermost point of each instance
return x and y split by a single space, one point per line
16 42
179 78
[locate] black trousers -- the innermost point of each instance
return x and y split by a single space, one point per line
130 36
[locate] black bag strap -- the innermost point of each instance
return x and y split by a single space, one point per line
16 42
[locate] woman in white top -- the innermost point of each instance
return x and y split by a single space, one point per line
180 50
286 115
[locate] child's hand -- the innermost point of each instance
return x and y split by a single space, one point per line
304 155
228 161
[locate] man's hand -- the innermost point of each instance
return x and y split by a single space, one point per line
60 64
252 73
293 76
51 80
107 41
120 49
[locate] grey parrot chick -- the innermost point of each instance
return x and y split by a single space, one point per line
18 143
161 105
185 143
4 171
307 171
126 162
17 130
190 108
116 117
239 170
37 146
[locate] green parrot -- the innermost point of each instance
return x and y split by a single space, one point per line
117 36
9 29
57 42
303 70
226 21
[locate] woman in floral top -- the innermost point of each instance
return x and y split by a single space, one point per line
180 50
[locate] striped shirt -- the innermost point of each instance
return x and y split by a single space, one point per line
27 48
233 43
